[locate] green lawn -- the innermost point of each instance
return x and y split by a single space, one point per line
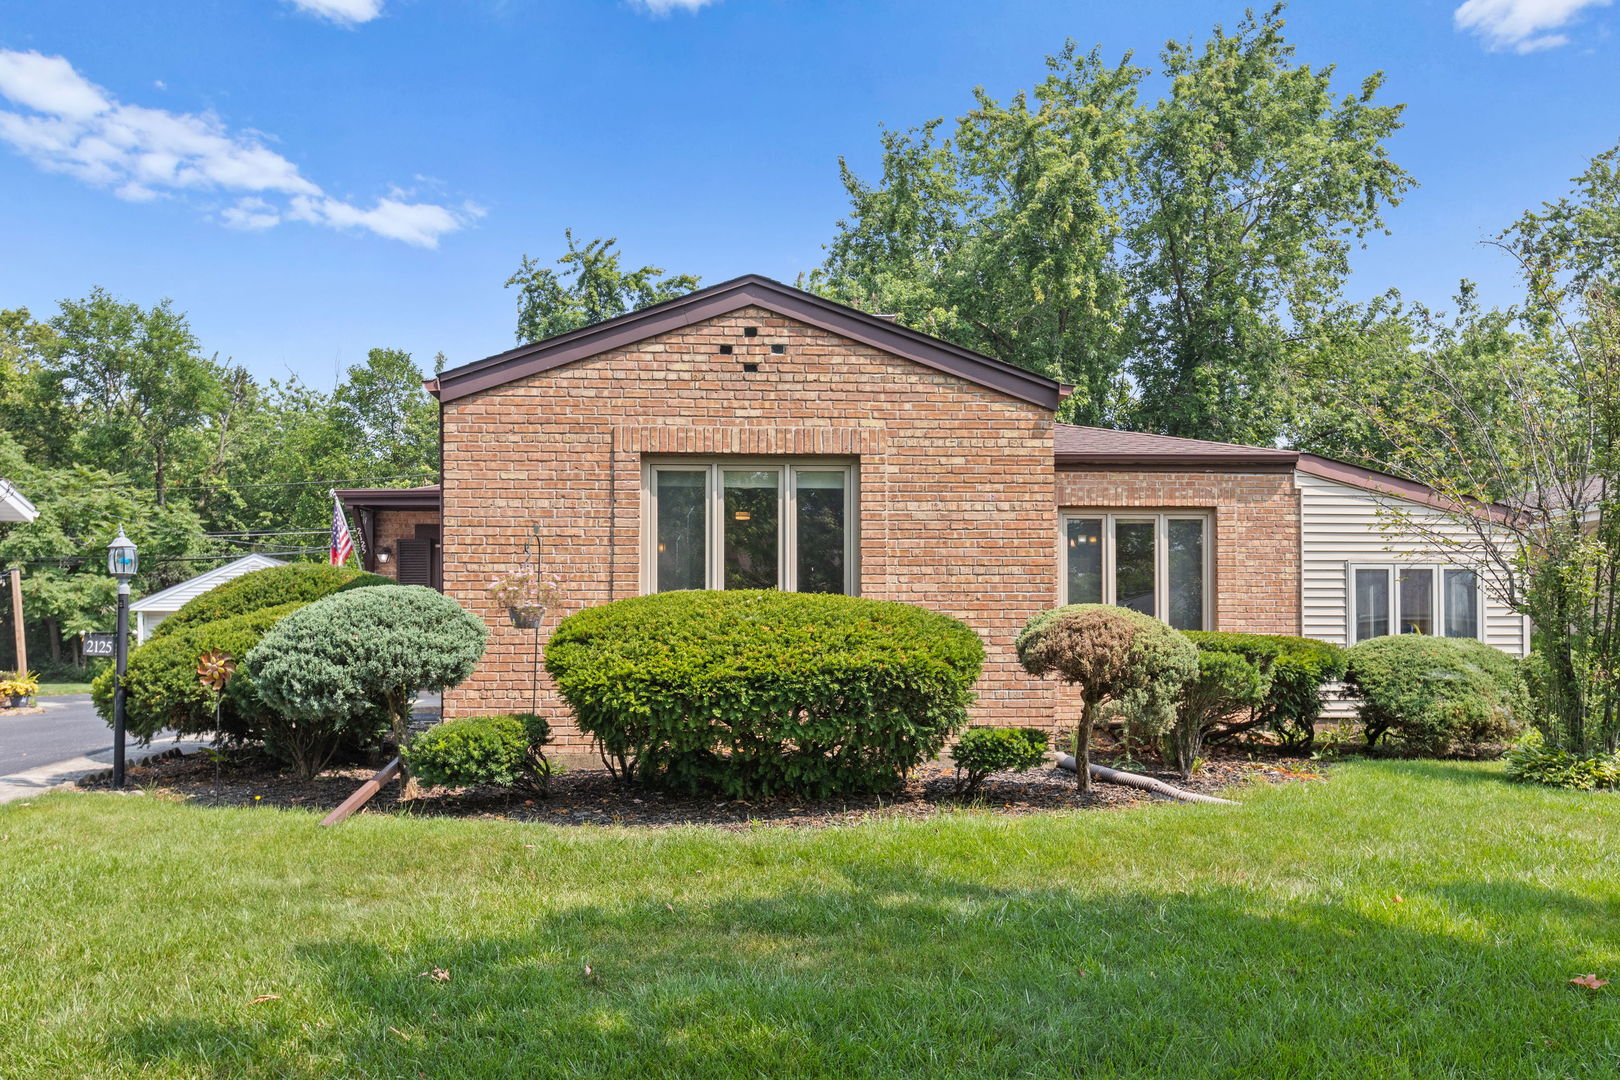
57 689
1171 941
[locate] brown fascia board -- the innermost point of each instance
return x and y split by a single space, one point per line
726 297
419 498
1271 461
1382 483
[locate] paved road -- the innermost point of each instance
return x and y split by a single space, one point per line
68 728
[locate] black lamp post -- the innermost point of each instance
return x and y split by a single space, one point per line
121 564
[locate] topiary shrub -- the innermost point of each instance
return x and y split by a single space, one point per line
762 693
1111 654
371 648
981 751
162 687
1300 668
271 587
1437 696
1228 684
498 751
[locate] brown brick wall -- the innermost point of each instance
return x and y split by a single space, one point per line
956 505
391 527
1256 533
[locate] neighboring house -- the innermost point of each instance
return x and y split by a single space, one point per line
750 435
149 611
14 506
399 531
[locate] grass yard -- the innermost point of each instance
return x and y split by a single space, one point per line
1399 920
58 689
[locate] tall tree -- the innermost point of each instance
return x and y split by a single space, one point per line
386 417
591 288
1162 253
134 384
1003 240
1253 182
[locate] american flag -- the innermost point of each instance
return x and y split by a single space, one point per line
342 542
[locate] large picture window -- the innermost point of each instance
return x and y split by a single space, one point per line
1154 563
749 525
1399 599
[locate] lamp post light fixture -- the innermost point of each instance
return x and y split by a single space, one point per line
122 562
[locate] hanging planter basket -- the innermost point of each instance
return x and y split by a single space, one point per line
525 619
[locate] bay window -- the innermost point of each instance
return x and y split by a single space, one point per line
1155 563
1400 599
749 525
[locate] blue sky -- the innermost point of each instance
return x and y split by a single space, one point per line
311 178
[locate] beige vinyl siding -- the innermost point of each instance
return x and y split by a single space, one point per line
1340 526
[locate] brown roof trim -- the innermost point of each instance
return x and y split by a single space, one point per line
1180 463
1382 483
749 290
417 498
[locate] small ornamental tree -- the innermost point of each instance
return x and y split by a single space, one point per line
1227 684
366 649
1110 654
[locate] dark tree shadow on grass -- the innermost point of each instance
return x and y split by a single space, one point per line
892 972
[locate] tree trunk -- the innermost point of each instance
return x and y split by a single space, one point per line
1145 783
1082 745
399 719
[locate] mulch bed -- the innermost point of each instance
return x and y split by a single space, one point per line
589 797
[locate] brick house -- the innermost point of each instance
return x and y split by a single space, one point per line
750 435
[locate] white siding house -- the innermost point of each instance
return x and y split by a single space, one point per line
1358 579
151 610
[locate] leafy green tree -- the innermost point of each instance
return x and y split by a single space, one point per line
591 288
1003 240
385 417
1166 253
1253 182
134 385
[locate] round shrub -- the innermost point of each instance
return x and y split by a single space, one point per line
1436 695
162 686
499 751
1228 685
1111 654
1300 668
762 693
981 751
270 587
366 649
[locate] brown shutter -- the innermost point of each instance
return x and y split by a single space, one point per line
415 562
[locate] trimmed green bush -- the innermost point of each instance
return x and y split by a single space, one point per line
1228 684
763 693
980 751
271 587
1532 761
1300 668
1111 654
1437 696
498 751
372 648
163 691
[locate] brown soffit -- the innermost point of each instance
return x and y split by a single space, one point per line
1382 483
751 290
417 498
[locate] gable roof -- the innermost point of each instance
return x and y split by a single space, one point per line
750 290
14 505
175 596
1075 445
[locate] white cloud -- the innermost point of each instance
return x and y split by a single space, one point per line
348 12
664 7
73 126
1521 25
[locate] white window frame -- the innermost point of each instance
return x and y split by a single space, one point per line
1437 597
1161 554
787 536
